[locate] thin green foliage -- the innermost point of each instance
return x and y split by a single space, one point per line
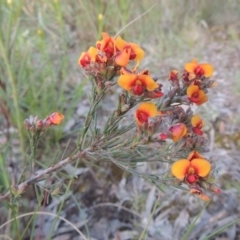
219 230
191 226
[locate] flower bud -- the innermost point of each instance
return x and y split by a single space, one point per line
55 118
214 189
163 136
153 125
39 124
178 131
27 124
173 76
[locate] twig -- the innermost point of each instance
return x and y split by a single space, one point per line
36 178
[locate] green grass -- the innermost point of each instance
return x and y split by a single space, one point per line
40 42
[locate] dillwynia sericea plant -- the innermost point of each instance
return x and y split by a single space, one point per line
164 132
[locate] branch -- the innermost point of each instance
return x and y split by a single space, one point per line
36 178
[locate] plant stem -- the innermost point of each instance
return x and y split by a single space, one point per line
150 219
38 177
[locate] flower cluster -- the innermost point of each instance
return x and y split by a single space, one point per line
167 120
110 52
109 59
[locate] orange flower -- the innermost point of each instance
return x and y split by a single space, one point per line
106 45
122 58
137 83
178 131
196 95
197 124
127 51
144 111
55 118
199 70
191 170
87 57
194 154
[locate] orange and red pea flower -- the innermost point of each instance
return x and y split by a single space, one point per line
199 70
197 124
190 171
87 57
144 111
137 83
106 45
126 52
196 95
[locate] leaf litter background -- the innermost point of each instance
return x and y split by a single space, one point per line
116 205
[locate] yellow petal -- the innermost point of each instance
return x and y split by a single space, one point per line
192 89
201 166
122 58
148 82
127 81
92 51
148 107
145 110
138 51
190 67
208 69
120 43
197 121
202 97
180 168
